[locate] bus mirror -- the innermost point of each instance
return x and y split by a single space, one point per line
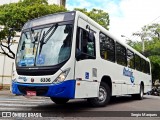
91 36
67 29
78 54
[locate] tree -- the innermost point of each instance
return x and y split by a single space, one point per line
97 15
15 15
152 47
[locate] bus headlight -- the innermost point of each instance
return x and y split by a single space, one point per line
62 76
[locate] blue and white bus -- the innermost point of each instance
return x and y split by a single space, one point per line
68 55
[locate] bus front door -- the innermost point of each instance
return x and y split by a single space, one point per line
85 68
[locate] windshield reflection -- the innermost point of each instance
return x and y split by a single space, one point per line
45 47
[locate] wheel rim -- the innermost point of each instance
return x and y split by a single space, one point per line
102 94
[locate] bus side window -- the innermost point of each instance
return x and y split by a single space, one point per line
143 64
147 68
130 59
137 62
85 43
121 54
107 48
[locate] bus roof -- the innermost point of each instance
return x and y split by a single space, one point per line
51 18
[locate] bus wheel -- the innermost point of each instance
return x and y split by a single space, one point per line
59 100
140 95
104 96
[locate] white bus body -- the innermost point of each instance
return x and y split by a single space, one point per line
92 68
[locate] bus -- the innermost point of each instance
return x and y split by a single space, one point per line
68 56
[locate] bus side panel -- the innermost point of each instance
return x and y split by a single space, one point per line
85 89
115 72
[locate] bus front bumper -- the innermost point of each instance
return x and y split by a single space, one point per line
64 89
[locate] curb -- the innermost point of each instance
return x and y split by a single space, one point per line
4 92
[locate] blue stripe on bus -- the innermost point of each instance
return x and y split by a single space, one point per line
64 89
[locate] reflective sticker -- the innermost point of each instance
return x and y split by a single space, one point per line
27 61
86 75
41 59
22 63
30 61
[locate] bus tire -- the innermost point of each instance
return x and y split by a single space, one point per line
140 95
104 96
59 100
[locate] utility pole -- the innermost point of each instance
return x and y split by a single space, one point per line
142 35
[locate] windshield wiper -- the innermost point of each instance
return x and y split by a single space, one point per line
42 42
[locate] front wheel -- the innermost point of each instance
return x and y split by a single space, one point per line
103 98
59 100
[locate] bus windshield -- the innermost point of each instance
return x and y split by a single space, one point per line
45 46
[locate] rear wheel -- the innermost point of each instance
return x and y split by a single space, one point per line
59 100
104 96
140 95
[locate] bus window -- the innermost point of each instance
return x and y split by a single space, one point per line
121 54
86 43
130 59
107 48
137 63
147 68
143 64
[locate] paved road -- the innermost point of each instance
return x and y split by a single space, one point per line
74 109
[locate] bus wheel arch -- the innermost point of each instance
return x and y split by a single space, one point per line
104 93
108 81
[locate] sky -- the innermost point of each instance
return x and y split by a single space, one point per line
126 16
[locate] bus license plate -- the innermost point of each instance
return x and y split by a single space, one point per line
31 93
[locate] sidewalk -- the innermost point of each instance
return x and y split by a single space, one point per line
6 92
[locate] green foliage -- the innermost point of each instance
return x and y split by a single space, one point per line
15 15
152 47
97 15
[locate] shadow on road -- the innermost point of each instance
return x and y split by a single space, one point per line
79 108
121 99
81 104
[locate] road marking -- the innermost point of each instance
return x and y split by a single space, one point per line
17 105
30 102
20 99
13 109
21 102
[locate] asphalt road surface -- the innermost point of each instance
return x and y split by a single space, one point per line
119 109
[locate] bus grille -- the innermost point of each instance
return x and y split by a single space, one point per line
40 90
